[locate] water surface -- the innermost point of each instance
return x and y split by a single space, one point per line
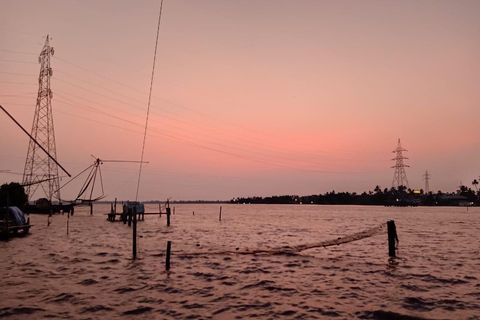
89 273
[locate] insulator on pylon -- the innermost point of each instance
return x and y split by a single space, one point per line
51 94
52 51
50 71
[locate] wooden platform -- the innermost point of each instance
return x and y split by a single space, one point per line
144 214
11 229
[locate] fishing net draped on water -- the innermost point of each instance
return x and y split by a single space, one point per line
297 248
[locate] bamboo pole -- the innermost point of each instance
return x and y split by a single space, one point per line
134 233
167 260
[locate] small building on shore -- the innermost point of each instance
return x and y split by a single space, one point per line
454 200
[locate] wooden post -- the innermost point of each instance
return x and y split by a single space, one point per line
7 217
5 222
115 206
7 232
91 208
167 261
129 217
111 207
220 214
168 212
392 237
134 233
68 220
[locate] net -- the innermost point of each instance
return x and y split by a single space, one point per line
298 248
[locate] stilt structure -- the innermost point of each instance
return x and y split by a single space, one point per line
38 166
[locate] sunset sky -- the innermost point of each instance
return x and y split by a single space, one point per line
250 97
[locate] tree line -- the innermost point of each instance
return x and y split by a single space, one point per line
378 196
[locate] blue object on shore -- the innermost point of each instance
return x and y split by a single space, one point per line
18 214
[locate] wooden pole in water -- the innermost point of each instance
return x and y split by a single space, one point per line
68 220
91 208
7 217
134 233
168 217
168 213
392 236
115 206
220 214
167 261
129 217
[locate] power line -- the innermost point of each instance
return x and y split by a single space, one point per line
256 138
24 33
19 74
16 61
176 137
14 82
91 101
101 87
20 52
17 95
101 76
166 133
100 94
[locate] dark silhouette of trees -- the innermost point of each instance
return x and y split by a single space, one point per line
468 193
14 194
475 184
401 196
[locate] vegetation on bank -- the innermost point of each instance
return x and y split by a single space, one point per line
12 194
15 195
391 196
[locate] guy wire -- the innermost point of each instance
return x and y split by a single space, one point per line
149 99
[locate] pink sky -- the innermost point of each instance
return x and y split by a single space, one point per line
250 97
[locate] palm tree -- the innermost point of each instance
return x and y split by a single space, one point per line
475 183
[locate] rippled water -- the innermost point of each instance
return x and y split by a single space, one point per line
89 274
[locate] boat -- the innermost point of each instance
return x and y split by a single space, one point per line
12 220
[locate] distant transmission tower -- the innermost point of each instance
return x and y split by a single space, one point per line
38 166
400 177
426 177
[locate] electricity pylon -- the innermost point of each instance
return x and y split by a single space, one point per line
38 166
426 177
399 177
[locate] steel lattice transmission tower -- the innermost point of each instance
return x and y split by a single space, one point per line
399 177
426 177
38 166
